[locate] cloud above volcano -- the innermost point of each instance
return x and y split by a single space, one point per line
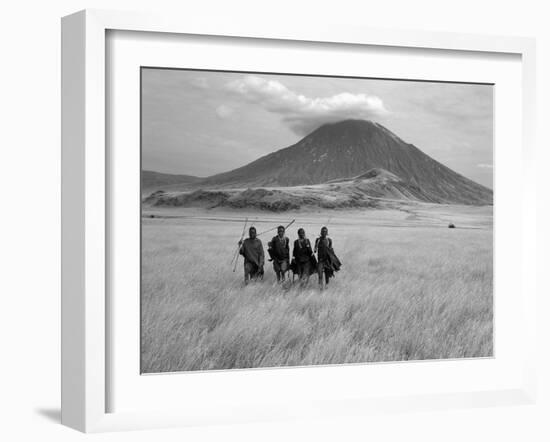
304 114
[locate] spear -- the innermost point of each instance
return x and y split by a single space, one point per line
289 224
236 257
269 230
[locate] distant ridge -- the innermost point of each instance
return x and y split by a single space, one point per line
151 181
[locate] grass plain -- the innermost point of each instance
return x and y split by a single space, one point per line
410 289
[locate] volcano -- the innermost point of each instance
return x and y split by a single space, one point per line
355 151
350 148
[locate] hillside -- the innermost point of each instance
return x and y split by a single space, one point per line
375 188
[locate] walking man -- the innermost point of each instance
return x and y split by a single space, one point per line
253 252
303 256
279 251
327 261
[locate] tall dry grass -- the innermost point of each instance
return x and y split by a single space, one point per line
407 291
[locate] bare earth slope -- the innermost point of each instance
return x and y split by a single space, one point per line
376 188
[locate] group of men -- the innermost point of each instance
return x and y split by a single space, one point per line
304 263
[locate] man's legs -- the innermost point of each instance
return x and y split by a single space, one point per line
247 269
304 273
277 269
284 269
320 271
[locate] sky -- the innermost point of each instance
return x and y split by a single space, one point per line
202 123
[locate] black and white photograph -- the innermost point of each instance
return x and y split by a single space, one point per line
301 220
233 221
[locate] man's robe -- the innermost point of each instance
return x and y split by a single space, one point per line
253 251
326 255
279 249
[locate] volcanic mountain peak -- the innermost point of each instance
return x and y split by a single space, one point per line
344 151
346 125
342 131
352 129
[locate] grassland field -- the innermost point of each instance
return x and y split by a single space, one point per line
410 289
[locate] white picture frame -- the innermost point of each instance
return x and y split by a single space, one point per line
85 232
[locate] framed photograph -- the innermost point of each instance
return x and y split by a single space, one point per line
266 223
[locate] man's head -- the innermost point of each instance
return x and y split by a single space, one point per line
301 233
324 232
252 233
281 231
